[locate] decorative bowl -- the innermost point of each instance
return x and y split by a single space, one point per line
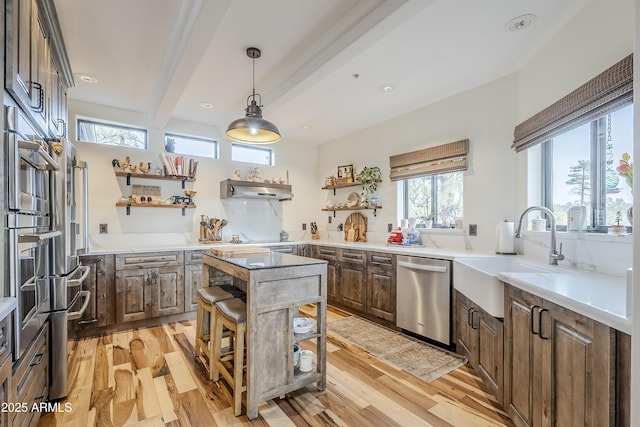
190 193
302 325
353 200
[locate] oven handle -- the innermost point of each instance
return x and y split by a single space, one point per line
78 282
75 315
433 268
37 148
37 237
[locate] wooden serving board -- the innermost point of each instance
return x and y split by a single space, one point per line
239 251
355 228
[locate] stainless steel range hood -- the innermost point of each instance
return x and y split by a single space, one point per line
254 190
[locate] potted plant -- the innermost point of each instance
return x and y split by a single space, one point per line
369 177
618 229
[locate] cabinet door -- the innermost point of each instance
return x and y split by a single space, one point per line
133 294
18 50
522 390
40 79
578 367
329 254
490 352
352 286
192 284
466 337
168 291
381 293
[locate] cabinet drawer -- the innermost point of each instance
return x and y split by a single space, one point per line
193 257
381 261
148 259
5 337
326 253
353 256
32 369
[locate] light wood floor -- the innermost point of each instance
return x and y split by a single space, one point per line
148 377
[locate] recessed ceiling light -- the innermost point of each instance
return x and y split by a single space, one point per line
521 22
386 87
86 78
306 127
206 105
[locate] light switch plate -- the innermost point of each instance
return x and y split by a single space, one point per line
104 228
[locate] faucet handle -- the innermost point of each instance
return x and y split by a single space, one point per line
559 255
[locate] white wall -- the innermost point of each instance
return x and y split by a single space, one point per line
500 183
105 188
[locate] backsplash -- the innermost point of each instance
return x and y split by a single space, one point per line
252 219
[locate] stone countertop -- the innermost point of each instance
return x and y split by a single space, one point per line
598 296
273 260
7 305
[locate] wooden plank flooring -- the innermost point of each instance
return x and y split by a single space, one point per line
148 377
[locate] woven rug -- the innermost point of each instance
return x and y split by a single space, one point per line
416 357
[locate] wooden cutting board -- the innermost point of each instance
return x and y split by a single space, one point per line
355 228
239 251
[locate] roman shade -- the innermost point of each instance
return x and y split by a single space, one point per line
446 158
601 95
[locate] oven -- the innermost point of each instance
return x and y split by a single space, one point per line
29 248
28 166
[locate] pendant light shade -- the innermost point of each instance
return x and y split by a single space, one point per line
253 129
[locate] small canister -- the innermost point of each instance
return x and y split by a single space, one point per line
538 224
284 236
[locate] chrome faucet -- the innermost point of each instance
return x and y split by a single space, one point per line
554 255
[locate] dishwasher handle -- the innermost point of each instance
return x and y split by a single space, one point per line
434 268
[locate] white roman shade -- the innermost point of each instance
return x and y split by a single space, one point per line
446 158
608 91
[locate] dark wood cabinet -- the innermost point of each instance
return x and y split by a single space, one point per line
381 285
101 283
6 392
480 338
329 254
192 279
149 285
560 366
353 283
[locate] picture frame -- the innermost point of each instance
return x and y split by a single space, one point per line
345 173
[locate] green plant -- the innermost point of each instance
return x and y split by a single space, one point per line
618 218
369 177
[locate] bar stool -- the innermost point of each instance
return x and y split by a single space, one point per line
230 314
205 325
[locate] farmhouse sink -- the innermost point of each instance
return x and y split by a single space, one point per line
477 278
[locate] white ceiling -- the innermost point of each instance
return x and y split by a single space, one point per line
165 57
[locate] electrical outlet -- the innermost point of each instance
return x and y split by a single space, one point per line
104 229
304 226
473 229
329 219
389 228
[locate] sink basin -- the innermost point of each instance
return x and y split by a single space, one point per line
477 278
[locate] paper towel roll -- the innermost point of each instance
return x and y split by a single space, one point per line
505 243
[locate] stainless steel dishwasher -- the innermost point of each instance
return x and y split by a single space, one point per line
423 300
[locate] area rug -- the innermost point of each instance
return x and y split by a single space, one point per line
416 357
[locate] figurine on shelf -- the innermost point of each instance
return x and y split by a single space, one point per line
159 171
132 168
144 167
124 165
115 163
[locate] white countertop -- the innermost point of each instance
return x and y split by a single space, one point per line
7 305
598 296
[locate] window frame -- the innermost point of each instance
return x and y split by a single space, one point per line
216 144
435 198
106 123
598 166
271 157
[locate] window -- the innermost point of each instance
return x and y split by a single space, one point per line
437 197
579 169
111 134
252 154
190 145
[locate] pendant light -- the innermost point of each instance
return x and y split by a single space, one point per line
253 129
